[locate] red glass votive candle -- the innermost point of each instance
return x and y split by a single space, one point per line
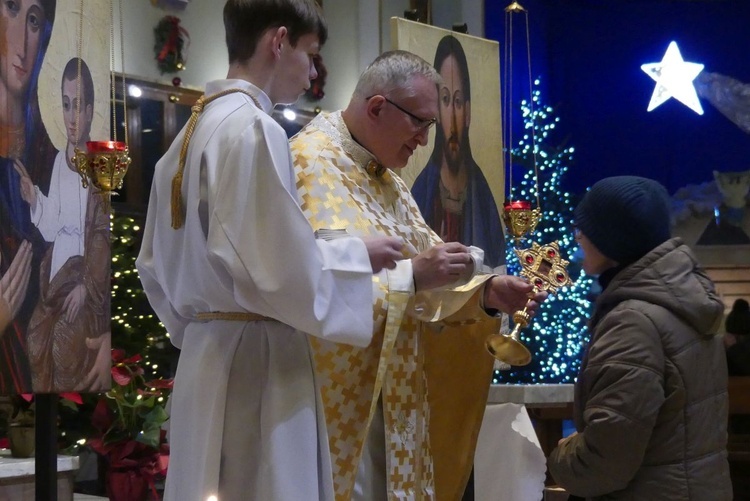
517 205
105 146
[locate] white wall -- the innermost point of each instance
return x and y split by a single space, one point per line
341 54
359 30
445 13
206 54
362 27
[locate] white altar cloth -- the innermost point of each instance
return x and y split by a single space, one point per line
509 464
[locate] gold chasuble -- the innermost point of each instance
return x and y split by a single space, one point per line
427 356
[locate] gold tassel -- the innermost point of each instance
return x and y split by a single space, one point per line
178 217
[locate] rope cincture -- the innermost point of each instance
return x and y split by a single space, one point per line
234 316
178 216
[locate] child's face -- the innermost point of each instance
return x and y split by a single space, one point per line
594 262
69 102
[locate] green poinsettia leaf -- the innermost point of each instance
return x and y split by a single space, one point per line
68 404
151 436
115 435
157 416
130 403
148 402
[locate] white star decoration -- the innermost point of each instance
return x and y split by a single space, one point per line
674 78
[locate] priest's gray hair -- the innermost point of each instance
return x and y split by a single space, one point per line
393 71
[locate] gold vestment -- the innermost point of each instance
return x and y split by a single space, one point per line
428 354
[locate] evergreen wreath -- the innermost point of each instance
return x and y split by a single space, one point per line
171 44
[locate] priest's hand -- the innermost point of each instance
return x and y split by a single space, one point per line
441 265
509 293
383 251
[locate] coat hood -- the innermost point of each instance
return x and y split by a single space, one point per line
669 276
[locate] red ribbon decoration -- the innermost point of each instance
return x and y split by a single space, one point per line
175 32
171 45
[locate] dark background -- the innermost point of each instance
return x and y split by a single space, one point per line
589 53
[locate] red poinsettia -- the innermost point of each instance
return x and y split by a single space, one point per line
129 420
125 369
24 406
71 396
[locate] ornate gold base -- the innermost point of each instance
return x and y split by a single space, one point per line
103 165
508 350
520 219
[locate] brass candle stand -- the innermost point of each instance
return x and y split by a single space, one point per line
520 219
103 165
541 265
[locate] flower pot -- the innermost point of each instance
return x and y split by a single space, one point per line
126 484
22 440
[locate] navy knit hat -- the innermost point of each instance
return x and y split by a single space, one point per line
625 217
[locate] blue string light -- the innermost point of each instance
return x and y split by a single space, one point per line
557 334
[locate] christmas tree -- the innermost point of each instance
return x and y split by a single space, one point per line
135 327
557 334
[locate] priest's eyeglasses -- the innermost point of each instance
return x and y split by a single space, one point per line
421 124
